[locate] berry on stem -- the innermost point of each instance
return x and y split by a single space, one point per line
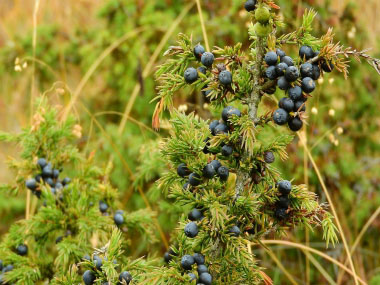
280 53
227 150
195 179
225 77
212 126
31 184
306 70
22 249
88 277
299 106
208 171
327 66
187 261
199 258
283 202
280 213
287 104
292 73
282 83
284 187
271 58
295 124
230 111
198 51
191 230
235 231
223 173
221 129
103 207
271 73
195 215
250 5
202 268
306 53
125 276
308 85
281 68
207 59
280 116
41 162
97 262
288 60
216 164
182 170
269 157
205 278
118 218
262 15
295 93
191 75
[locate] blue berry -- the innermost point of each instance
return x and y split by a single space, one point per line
195 215
306 53
22 250
31 184
47 172
295 93
230 111
282 83
280 117
205 278
281 68
288 60
223 173
66 181
316 72
308 85
221 129
202 269
283 202
191 230
216 164
119 219
186 186
207 59
299 106
284 186
292 73
287 104
41 162
271 58
97 262
190 75
270 72
8 268
227 150
225 77
192 276
1 265
212 126
195 179
235 231
269 157
280 53
55 173
280 213
125 276
88 277
198 51
250 5
103 207
182 170
187 261
203 70
208 171
306 70
199 258
327 66
295 124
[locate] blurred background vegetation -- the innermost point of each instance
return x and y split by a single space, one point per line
103 53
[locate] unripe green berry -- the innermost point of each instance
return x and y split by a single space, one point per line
262 15
261 30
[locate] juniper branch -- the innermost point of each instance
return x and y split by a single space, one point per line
253 101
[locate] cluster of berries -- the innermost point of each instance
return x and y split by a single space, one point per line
48 175
209 171
118 216
89 276
4 269
22 250
298 82
187 262
282 205
207 59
